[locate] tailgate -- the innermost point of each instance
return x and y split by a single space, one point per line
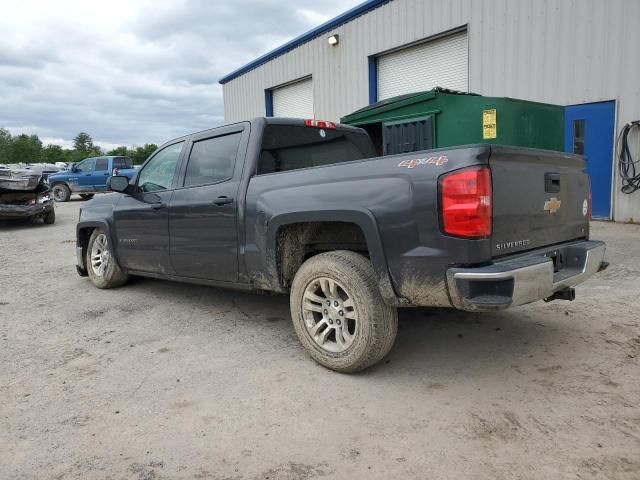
539 198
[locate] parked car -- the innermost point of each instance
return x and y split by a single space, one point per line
25 194
301 207
88 177
43 169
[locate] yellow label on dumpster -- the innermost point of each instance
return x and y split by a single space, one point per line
489 126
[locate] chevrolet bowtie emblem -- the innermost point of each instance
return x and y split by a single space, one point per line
552 205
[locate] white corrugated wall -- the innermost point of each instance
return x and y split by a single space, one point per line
557 51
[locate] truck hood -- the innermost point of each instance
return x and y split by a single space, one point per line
59 176
101 200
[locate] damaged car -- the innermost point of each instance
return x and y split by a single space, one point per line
25 194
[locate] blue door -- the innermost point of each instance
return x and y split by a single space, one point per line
83 178
101 174
589 131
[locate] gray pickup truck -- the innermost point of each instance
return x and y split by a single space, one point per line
305 207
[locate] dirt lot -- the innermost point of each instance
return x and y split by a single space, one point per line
162 380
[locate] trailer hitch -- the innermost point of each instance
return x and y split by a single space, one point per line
568 294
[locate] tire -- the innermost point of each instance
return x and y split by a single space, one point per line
103 272
86 196
367 323
61 192
49 218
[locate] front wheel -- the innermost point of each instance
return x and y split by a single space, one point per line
102 268
339 314
61 192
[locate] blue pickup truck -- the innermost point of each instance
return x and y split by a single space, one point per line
89 177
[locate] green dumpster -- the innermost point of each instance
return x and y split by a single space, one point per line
442 118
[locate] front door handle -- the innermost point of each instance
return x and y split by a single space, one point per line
158 206
223 201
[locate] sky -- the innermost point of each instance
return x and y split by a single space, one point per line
131 72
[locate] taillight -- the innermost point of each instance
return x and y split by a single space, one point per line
465 202
320 124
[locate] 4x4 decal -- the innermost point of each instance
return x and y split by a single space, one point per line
438 161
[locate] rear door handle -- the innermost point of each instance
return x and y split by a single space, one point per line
158 206
223 201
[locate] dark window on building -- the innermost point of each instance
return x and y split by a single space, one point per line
102 164
212 160
286 147
578 137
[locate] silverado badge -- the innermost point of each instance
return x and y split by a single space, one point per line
552 205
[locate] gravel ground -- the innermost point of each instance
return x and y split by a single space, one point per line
161 380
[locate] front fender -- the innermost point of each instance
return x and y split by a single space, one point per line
98 215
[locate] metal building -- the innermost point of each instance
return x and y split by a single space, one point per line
582 54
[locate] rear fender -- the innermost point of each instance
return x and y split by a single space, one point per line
366 222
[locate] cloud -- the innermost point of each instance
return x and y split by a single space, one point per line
138 72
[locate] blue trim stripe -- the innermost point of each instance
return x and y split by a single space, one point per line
373 79
268 103
304 38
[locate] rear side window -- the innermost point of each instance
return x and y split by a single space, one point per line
122 162
212 160
102 164
286 147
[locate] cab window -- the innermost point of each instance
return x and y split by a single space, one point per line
122 162
102 164
212 160
87 165
158 173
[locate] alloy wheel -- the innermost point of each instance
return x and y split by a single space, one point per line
329 314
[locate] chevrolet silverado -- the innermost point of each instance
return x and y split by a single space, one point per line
305 207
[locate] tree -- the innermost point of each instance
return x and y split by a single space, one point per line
83 143
53 154
120 151
26 149
83 147
140 154
6 146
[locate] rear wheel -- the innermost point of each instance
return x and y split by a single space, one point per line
102 268
61 192
50 218
86 196
339 314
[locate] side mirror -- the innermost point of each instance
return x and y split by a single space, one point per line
74 168
118 183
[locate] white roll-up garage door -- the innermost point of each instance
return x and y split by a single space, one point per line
294 100
439 63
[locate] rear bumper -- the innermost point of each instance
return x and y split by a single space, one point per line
524 279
